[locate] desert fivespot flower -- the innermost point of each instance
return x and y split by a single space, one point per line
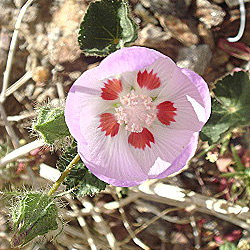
137 116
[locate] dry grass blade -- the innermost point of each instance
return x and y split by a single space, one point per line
12 49
9 129
175 196
17 153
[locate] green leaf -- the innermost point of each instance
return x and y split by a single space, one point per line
106 27
50 124
230 107
35 214
239 164
80 179
228 246
235 174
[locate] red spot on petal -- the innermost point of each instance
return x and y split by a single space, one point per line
109 124
111 89
166 112
140 140
148 80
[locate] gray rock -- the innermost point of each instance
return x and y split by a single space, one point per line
167 7
153 36
195 58
210 14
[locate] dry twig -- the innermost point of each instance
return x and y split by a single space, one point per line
17 153
178 197
12 49
84 226
9 129
126 224
98 219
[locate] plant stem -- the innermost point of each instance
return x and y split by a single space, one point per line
64 174
203 152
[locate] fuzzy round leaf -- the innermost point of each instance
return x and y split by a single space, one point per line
230 107
106 27
35 214
50 124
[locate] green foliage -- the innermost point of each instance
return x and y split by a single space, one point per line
8 172
80 179
230 107
106 27
35 214
50 124
241 173
122 192
228 246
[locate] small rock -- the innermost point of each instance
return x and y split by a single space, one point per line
167 7
6 3
244 243
206 34
4 39
179 29
74 75
8 15
49 93
63 32
145 15
233 3
219 1
195 58
56 102
210 14
37 92
4 47
19 3
152 36
41 74
29 89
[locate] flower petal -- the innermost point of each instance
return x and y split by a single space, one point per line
127 59
163 68
167 147
148 80
111 89
85 88
109 124
190 98
180 162
109 158
166 112
201 85
141 139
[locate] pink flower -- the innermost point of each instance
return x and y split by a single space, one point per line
137 116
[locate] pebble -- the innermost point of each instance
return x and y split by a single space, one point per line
152 35
233 3
195 58
41 74
179 29
210 14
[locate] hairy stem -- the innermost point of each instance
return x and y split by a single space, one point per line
64 174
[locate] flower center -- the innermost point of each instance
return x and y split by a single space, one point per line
136 112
